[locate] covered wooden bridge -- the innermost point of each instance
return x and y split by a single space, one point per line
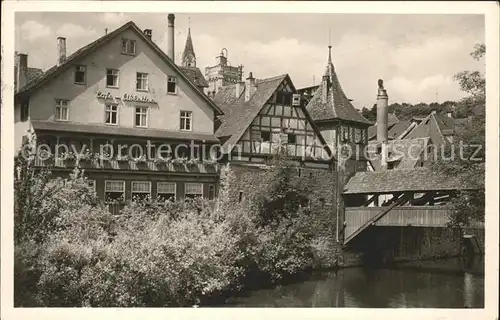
405 197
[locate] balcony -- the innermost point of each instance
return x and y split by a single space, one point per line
129 165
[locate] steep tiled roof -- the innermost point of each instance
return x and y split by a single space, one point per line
32 75
397 129
238 113
121 131
406 151
195 76
337 105
84 51
418 179
428 127
392 121
226 97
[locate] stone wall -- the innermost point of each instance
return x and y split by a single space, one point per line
322 195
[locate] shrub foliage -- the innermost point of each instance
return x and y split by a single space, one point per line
71 251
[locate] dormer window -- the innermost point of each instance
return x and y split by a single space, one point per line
128 47
80 72
172 85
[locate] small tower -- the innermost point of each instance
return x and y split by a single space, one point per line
188 56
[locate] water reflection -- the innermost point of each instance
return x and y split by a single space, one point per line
440 284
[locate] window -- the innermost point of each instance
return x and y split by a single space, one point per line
141 189
266 136
112 78
80 74
358 135
111 114
292 138
172 85
25 110
345 131
193 190
114 190
166 191
128 46
240 196
142 81
211 192
141 117
62 110
186 120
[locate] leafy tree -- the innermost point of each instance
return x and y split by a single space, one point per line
469 148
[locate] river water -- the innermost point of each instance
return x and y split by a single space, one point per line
430 284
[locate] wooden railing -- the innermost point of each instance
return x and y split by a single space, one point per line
415 216
372 219
130 165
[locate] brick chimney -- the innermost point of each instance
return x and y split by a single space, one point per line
148 33
21 70
249 87
171 37
61 50
382 115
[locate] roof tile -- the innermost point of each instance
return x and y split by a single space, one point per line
337 105
418 179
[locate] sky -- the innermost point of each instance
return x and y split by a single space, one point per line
415 55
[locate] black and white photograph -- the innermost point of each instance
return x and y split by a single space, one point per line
174 155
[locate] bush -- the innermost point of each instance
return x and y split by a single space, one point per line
154 253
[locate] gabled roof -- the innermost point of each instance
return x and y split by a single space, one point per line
195 76
428 127
418 179
98 129
93 46
406 151
337 105
238 114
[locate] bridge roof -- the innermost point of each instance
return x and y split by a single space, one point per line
404 180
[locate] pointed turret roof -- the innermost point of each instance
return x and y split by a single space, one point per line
188 48
335 105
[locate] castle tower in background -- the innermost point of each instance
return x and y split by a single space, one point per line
222 74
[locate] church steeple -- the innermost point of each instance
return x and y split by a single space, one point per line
188 56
